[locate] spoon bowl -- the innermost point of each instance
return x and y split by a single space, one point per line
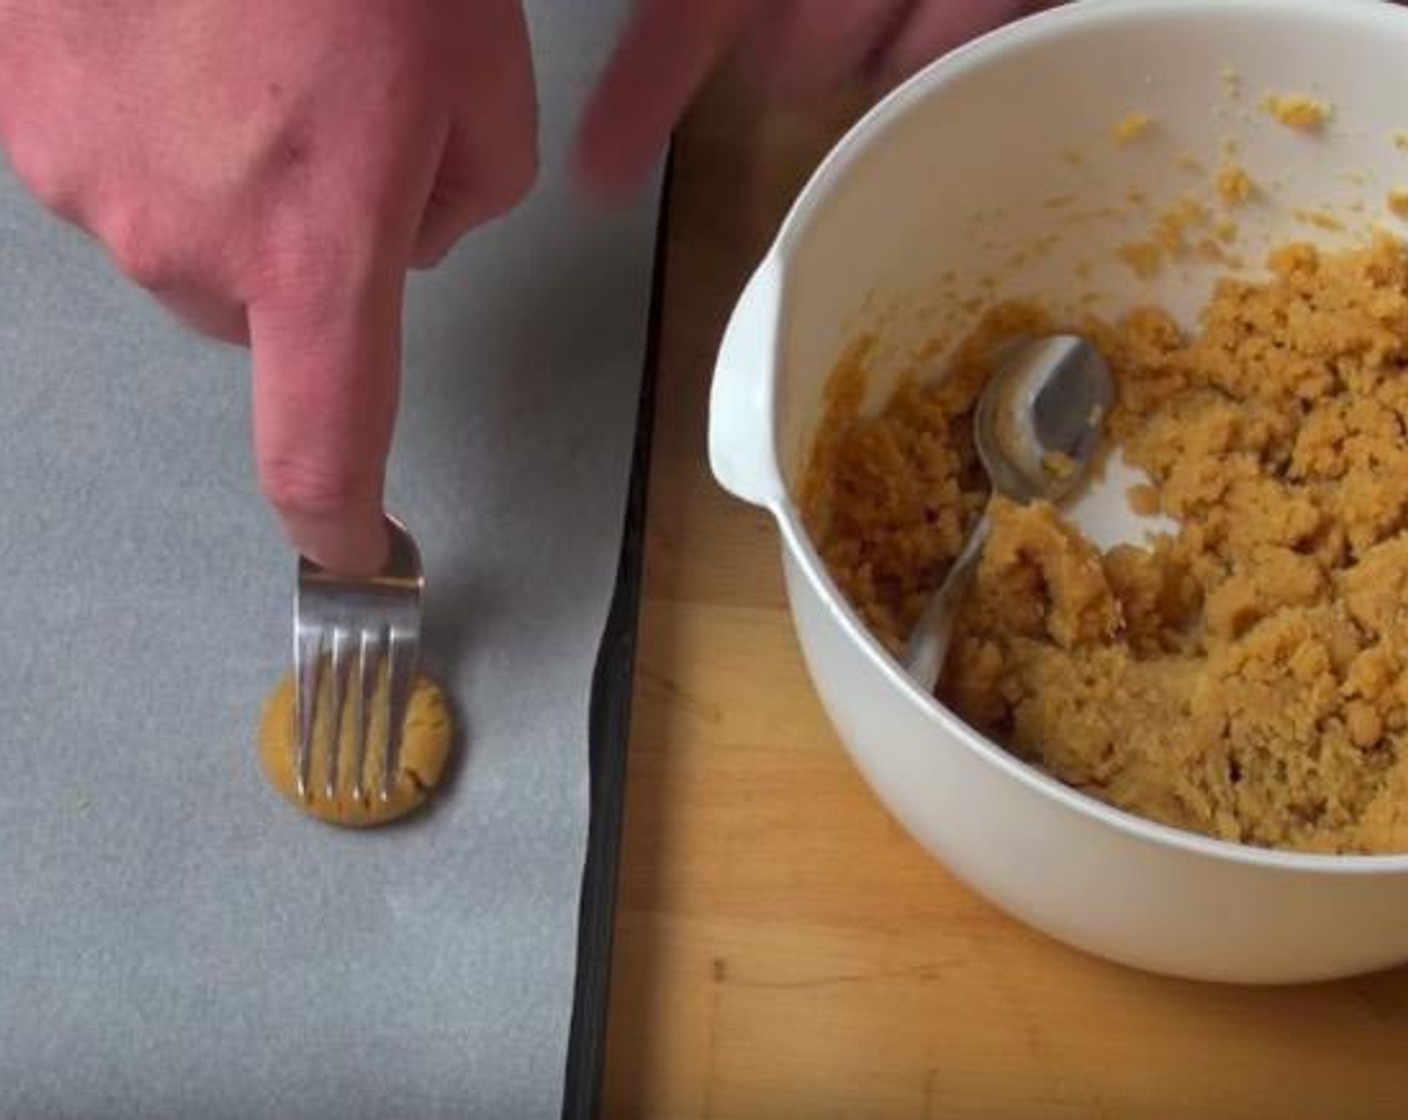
1039 419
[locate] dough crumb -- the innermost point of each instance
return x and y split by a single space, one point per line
1131 127
1296 110
1190 163
1145 258
1234 185
1180 230
1318 219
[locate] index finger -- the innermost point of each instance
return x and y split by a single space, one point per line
325 389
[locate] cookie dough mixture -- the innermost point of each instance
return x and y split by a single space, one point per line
425 747
1243 678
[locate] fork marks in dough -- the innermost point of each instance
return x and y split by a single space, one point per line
425 746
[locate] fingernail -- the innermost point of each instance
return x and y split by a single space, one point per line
350 545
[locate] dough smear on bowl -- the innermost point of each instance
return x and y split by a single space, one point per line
1245 677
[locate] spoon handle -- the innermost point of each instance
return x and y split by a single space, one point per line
924 656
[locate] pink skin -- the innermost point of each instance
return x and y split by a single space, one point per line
792 47
270 170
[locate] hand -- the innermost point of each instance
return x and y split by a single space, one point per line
270 169
794 47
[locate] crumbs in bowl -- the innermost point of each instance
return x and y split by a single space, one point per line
1245 676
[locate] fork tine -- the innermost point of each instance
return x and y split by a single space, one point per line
341 640
401 659
363 696
307 668
374 624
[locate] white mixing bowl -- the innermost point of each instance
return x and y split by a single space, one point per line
951 187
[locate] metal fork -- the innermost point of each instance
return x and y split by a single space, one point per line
367 626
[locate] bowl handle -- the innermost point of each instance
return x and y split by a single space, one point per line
742 444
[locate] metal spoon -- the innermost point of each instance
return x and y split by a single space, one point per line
1037 426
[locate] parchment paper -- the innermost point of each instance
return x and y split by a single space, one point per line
175 941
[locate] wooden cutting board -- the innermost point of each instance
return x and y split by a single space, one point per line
782 947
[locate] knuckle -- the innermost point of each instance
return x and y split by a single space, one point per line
138 248
430 252
500 186
301 260
37 167
518 174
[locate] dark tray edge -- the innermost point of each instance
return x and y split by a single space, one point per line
609 729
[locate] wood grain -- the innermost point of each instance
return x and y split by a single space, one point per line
782 948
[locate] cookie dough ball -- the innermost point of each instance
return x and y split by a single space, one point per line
425 746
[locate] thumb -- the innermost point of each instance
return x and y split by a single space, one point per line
326 376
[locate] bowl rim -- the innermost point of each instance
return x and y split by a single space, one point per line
1047 26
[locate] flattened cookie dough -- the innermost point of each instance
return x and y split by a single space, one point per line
425 746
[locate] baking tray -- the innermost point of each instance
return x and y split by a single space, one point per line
140 976
610 725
